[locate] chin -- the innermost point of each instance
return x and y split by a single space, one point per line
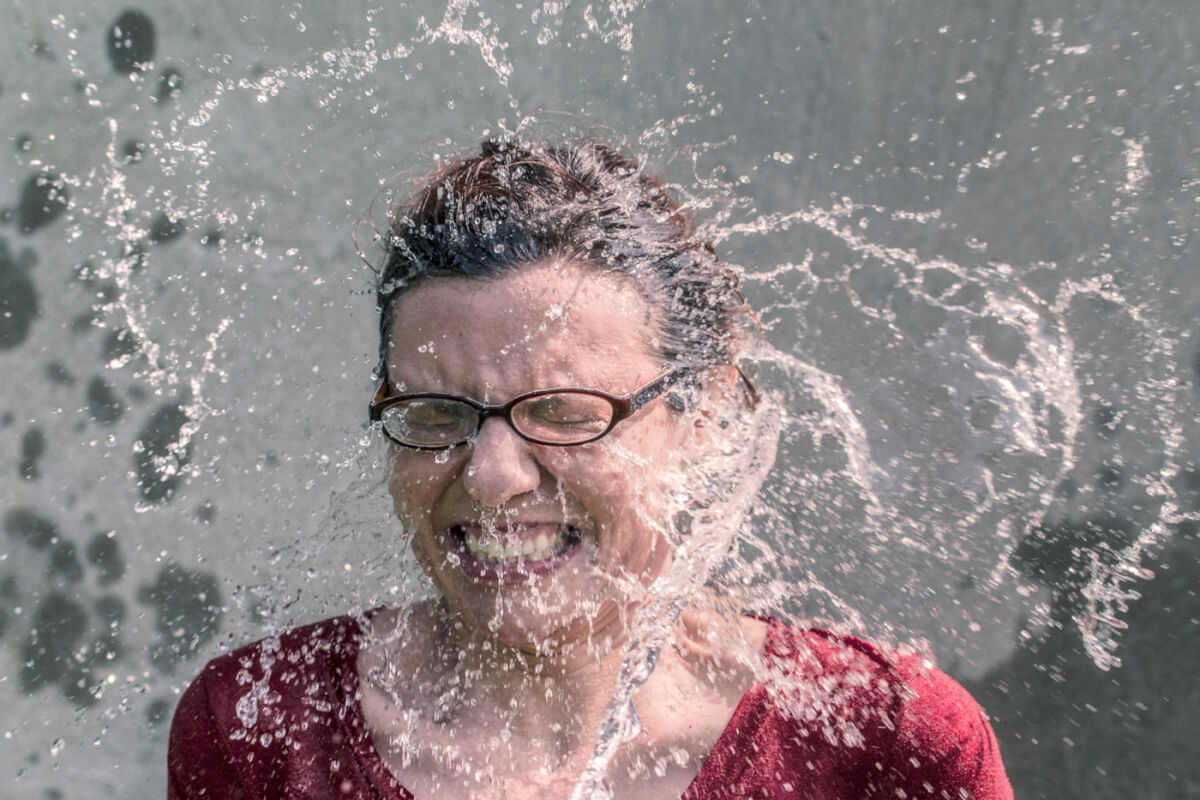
535 621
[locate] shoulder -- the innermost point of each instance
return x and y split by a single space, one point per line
274 669
846 671
239 718
310 646
889 709
942 735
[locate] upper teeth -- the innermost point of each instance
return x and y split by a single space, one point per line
491 547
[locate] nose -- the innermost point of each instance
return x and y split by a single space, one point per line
501 465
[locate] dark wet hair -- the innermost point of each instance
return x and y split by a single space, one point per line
515 203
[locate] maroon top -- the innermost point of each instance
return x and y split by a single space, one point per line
837 718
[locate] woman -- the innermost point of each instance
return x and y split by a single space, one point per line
572 452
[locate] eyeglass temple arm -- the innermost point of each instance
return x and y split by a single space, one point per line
752 395
380 396
657 387
652 390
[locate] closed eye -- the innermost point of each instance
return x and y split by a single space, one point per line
560 410
431 414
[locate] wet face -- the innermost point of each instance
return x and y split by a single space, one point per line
540 546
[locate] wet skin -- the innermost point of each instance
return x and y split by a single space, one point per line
531 647
494 340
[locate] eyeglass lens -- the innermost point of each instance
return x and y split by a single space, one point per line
430 421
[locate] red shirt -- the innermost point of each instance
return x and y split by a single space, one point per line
838 718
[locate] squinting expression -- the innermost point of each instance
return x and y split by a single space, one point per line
540 546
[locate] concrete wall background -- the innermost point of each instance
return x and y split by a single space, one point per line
186 335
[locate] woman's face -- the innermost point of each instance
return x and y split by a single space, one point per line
590 521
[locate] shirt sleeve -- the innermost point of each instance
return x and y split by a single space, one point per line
199 763
944 746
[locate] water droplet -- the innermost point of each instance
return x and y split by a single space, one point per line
247 710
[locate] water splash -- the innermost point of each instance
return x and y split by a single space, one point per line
936 458
485 38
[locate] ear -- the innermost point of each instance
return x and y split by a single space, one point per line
713 404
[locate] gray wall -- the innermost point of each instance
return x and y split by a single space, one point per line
972 222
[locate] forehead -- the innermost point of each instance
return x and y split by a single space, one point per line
548 323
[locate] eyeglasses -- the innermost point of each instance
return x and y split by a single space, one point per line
557 417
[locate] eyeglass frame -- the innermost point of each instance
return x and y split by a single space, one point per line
624 405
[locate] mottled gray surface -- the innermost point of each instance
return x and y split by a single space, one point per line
186 334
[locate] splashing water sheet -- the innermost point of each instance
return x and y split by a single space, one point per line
967 231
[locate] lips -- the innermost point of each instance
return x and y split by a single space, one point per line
512 552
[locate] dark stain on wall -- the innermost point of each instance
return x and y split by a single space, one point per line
64 564
59 624
213 237
10 594
131 42
72 633
206 512
1055 553
57 373
119 346
83 323
1106 420
134 150
1050 697
43 198
32 529
158 459
170 84
164 229
18 296
104 553
63 648
33 447
103 403
158 711
188 608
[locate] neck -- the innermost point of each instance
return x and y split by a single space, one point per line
554 694
437 690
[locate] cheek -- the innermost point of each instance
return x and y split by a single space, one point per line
400 488
597 476
615 484
645 460
415 483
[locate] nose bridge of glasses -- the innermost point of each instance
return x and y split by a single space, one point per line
496 436
501 412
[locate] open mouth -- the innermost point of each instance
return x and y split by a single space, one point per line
511 553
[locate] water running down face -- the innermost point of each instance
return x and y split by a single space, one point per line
541 546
